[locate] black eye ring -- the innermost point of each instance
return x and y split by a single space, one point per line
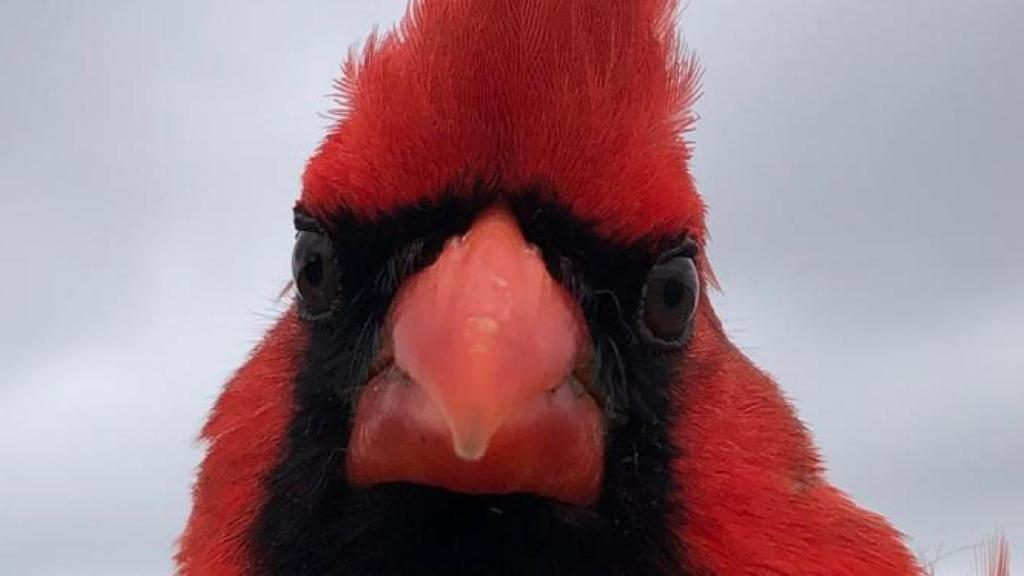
669 299
315 272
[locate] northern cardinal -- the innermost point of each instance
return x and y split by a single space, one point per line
501 357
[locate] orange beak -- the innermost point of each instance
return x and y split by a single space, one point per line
483 395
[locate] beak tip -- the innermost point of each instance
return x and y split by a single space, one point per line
472 446
471 451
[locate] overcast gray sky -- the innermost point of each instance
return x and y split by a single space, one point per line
861 159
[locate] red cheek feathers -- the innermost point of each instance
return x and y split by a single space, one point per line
246 434
482 396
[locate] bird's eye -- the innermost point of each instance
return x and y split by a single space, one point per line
670 300
313 269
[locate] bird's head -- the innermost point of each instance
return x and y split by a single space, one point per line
500 281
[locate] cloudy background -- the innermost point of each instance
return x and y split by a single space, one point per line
861 161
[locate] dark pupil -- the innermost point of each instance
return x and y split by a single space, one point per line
313 270
672 293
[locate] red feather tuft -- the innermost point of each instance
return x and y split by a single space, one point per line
994 560
588 99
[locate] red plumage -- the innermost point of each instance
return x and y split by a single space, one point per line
245 432
589 99
756 500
